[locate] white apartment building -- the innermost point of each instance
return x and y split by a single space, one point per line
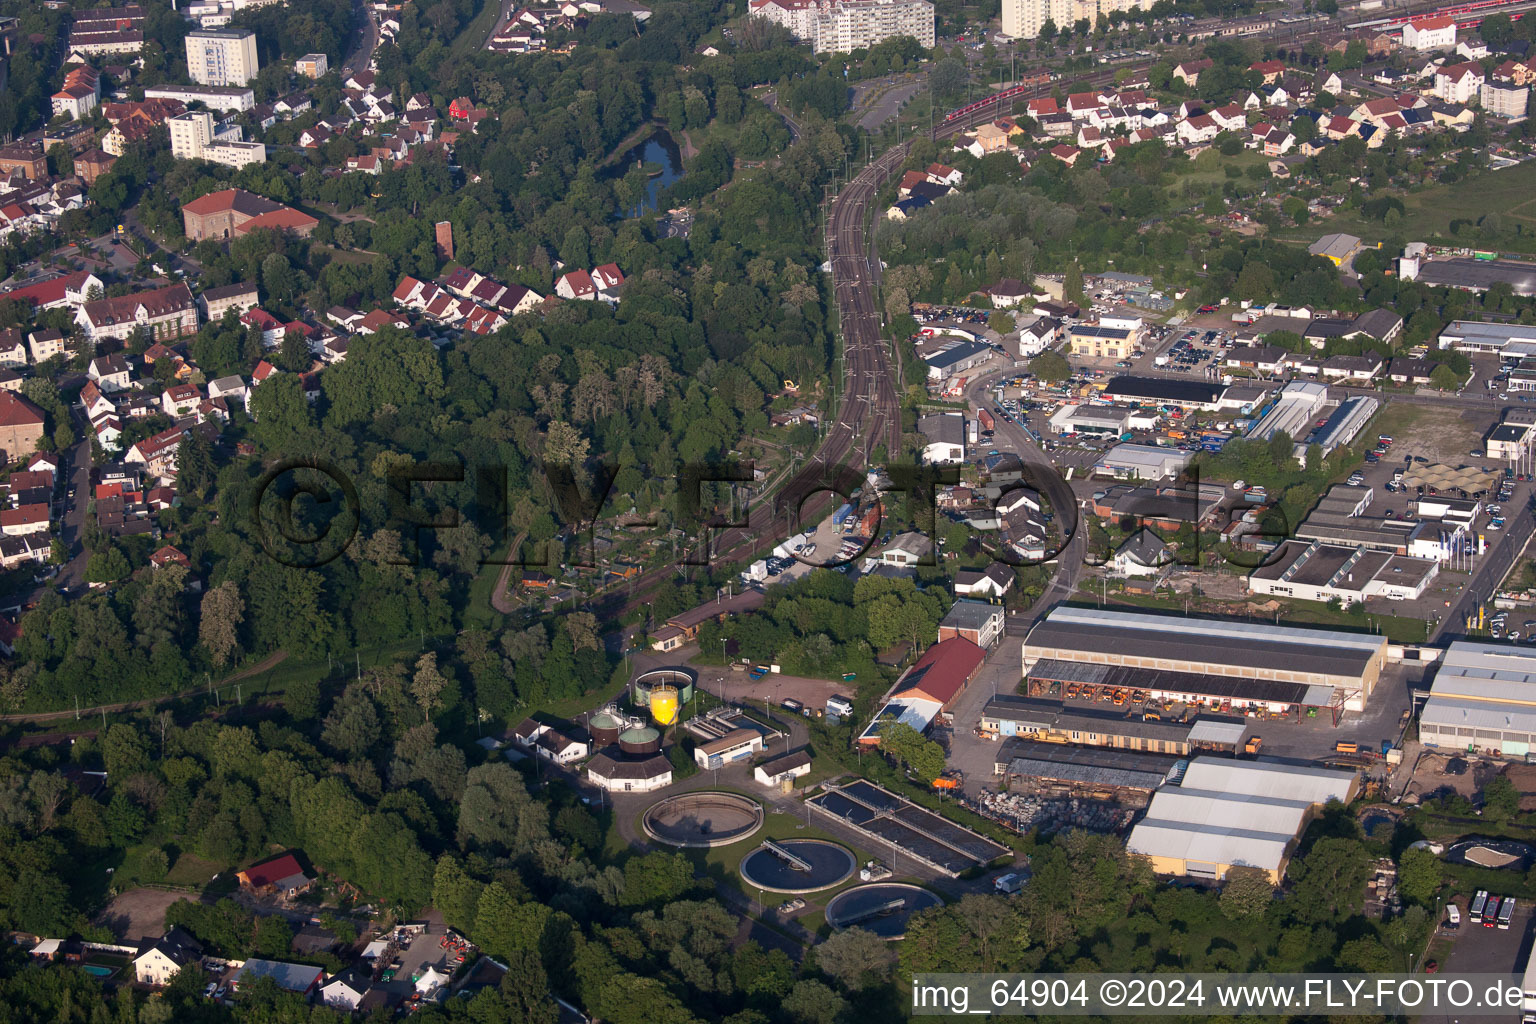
193 138
214 97
1022 19
1437 33
839 26
1459 83
796 15
191 133
221 56
1504 99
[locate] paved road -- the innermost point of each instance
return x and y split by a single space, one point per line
77 471
1490 569
887 104
367 40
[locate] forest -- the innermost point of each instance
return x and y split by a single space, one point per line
680 371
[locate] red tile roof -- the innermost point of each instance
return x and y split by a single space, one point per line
248 203
16 411
26 515
49 292
272 871
942 672
281 219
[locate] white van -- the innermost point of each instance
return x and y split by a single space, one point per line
1008 884
1452 917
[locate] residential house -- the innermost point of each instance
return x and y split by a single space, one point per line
1383 325
1066 154
1144 554
180 400
160 960
1197 130
1189 71
1008 291
1038 333
1278 143
240 297
13 348
1459 83
110 373
281 875
232 389
1433 33
992 582
168 312
158 454
24 519
1269 70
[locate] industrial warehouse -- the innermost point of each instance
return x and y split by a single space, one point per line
1224 814
1314 571
1234 666
1053 721
1124 777
927 688
1483 698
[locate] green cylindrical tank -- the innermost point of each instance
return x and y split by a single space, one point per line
605 728
643 740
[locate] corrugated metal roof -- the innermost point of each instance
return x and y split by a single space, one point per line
1208 731
1210 843
1478 714
1084 774
1268 779
1241 645
1164 681
1487 672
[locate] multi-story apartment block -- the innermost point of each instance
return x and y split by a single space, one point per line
166 313
1023 19
193 138
312 65
838 26
1504 99
221 56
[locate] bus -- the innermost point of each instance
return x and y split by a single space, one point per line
1506 913
1491 912
1475 911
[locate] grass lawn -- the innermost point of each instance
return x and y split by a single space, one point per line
1209 176
478 31
1429 212
191 869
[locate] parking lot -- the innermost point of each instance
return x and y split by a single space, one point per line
1479 950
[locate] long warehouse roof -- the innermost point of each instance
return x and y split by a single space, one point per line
1461 713
1205 684
1486 672
1231 812
1210 641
